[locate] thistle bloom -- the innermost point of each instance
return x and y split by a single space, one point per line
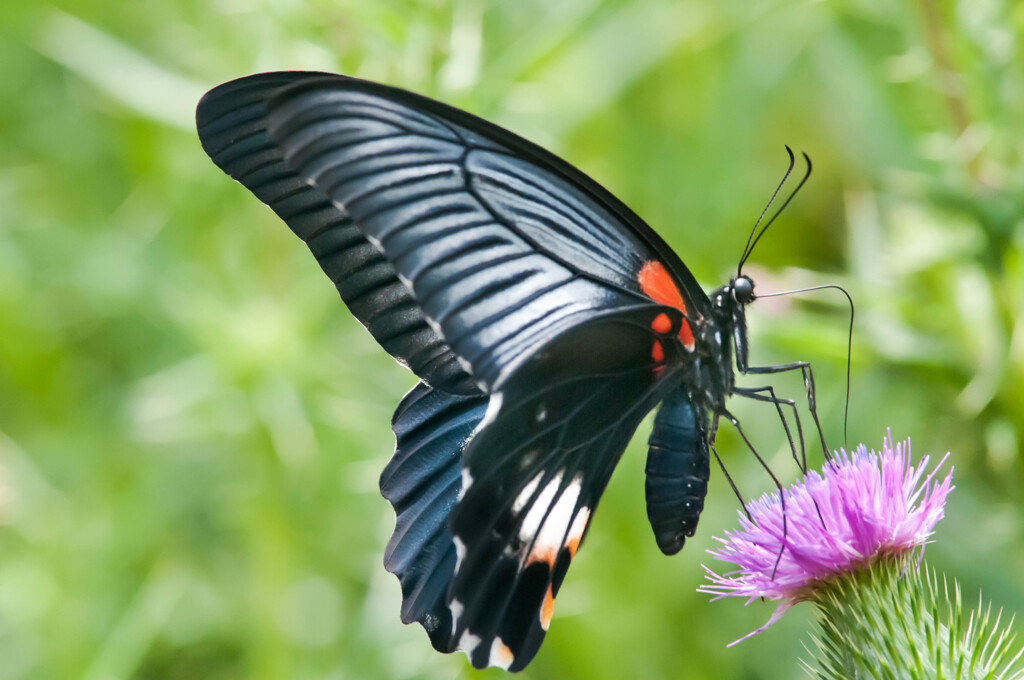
864 507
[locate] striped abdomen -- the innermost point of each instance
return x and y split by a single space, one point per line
677 472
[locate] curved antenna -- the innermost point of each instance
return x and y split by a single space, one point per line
807 175
849 343
750 239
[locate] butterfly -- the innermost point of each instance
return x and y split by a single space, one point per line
543 318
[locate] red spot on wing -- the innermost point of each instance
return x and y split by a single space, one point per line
686 335
658 285
658 352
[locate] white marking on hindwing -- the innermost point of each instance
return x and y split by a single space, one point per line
501 656
467 481
468 642
550 538
524 496
460 552
579 525
456 609
535 515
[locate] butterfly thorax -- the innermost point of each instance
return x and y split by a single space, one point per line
724 329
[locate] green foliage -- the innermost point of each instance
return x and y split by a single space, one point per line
191 425
893 621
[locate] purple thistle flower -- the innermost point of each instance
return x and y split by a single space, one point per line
862 508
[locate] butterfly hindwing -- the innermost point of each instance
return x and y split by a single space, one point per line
535 471
231 120
423 481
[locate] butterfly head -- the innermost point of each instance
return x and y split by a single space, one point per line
742 289
730 299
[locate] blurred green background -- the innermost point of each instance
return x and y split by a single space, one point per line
192 425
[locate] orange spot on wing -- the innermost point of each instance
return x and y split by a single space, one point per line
658 352
579 525
543 553
658 285
661 324
547 609
686 335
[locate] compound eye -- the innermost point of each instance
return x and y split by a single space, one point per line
743 290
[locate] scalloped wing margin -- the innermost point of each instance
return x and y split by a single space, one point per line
423 482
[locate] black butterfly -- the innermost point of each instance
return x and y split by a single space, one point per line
542 316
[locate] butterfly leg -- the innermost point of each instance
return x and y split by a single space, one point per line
808 375
757 394
782 496
713 433
754 393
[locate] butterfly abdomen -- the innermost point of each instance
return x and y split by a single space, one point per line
677 472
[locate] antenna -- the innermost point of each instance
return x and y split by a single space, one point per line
752 239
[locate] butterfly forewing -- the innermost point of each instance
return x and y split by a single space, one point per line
232 127
501 252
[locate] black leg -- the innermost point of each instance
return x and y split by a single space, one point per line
711 442
808 375
752 393
782 496
755 393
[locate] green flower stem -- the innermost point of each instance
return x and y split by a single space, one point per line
893 621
